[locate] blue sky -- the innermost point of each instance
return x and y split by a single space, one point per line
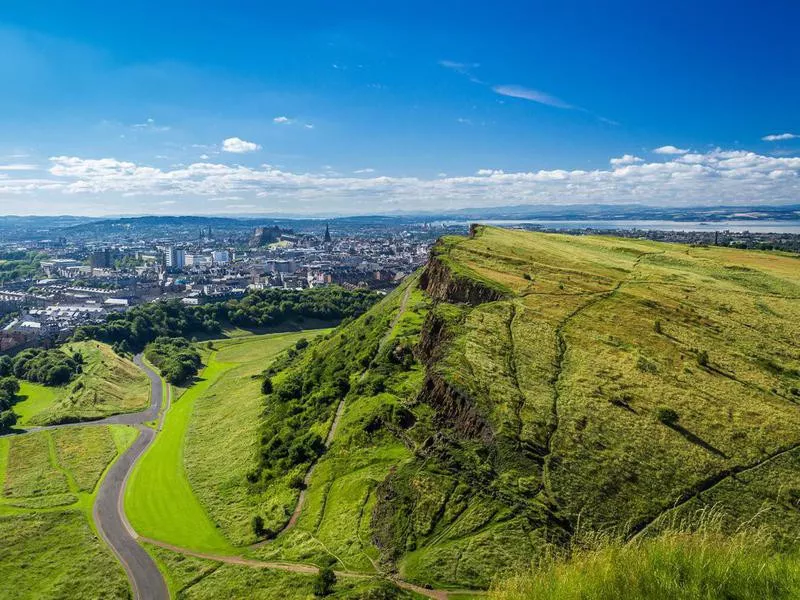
108 108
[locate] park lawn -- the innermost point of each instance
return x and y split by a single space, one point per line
48 544
36 398
222 438
159 500
108 385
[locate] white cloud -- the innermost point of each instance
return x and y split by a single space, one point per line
239 146
518 91
778 137
309 126
625 159
282 120
669 150
150 125
18 167
367 170
204 157
713 177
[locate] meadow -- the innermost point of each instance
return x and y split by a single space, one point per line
48 545
189 488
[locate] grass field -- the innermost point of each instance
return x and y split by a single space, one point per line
159 500
48 546
108 385
222 438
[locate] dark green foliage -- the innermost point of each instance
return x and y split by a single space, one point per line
9 388
133 330
264 308
324 582
702 358
258 526
48 367
657 326
19 265
266 386
667 416
7 420
176 358
6 365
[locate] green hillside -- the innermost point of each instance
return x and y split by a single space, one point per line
109 384
525 386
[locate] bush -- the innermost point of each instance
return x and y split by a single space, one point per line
702 358
324 582
667 416
48 367
266 386
258 526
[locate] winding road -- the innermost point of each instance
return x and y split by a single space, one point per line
146 580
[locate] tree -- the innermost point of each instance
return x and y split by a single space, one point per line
702 358
323 584
6 365
266 386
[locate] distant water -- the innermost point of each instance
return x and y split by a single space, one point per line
734 226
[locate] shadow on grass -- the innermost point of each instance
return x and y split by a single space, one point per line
695 439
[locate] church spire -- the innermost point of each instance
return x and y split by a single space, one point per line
327 234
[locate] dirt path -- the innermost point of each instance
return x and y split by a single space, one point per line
301 499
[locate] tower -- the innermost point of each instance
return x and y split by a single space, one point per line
327 234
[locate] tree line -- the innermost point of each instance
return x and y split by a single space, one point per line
133 330
176 358
49 367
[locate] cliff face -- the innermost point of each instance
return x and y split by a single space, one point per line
441 284
454 408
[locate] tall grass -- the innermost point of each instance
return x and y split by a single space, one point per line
684 562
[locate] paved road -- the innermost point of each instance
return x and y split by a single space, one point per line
109 514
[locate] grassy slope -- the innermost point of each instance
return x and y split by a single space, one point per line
224 424
201 579
159 501
672 566
567 372
108 385
48 546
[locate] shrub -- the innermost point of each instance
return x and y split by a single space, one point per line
667 416
266 386
324 582
702 358
258 525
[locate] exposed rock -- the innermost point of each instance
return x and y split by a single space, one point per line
441 284
454 408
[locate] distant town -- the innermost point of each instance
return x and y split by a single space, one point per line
58 274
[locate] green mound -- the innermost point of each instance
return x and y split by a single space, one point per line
523 387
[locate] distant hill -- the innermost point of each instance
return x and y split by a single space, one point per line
524 386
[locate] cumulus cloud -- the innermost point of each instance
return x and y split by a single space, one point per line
239 146
669 150
625 159
518 91
282 120
714 177
779 137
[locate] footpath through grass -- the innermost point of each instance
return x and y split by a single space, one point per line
159 500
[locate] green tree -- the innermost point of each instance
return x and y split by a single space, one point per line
324 582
